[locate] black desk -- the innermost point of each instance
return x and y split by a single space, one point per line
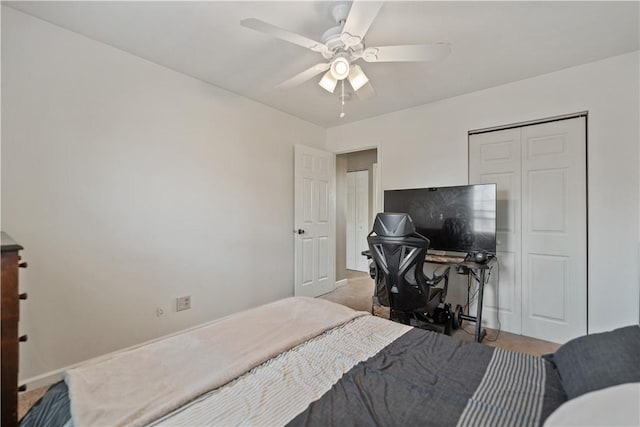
473 270
478 272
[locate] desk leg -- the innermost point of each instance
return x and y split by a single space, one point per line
480 333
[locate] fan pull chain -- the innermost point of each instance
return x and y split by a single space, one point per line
342 101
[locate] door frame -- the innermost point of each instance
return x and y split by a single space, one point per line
377 185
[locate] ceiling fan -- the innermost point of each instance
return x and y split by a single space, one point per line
343 44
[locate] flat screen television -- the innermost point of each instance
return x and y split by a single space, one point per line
456 219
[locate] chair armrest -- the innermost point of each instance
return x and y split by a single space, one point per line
372 270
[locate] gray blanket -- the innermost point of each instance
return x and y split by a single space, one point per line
424 378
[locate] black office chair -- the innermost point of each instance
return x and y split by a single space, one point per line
398 253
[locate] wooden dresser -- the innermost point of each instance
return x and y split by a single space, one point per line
10 341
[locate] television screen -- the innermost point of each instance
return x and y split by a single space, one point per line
460 219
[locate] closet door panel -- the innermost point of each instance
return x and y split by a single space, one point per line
554 233
495 158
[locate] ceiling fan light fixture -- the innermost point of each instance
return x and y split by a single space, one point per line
340 68
328 82
357 77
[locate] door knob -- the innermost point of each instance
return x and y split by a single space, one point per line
299 231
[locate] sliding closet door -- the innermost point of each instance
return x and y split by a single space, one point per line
554 230
494 157
540 172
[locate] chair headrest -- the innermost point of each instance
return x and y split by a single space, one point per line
393 225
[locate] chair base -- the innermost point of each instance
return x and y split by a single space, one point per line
440 321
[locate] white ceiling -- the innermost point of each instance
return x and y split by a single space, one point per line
493 43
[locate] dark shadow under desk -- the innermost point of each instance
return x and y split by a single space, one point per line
476 271
472 269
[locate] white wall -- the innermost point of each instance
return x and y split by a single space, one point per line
427 146
129 185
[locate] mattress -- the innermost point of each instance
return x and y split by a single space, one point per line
360 370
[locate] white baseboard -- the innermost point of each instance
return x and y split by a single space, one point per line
341 282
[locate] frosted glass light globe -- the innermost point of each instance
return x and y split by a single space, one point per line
340 68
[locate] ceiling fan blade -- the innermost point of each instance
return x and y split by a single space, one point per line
304 76
407 53
361 15
365 92
265 27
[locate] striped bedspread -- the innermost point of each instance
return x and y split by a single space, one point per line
424 378
512 392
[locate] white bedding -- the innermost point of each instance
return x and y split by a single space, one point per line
137 386
612 406
278 390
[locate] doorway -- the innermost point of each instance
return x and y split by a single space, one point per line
358 171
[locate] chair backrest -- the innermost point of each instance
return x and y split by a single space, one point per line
398 252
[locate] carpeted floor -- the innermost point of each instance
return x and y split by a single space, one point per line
356 293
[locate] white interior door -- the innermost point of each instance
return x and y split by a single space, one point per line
357 219
540 172
494 157
554 230
314 216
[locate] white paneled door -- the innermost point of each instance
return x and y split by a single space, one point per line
357 219
554 230
540 172
494 158
314 217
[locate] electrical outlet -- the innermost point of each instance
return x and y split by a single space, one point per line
159 312
183 303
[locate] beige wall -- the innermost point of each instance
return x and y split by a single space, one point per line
426 146
130 185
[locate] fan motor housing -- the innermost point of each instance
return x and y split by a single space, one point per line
331 38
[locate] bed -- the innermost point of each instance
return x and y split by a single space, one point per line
303 361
